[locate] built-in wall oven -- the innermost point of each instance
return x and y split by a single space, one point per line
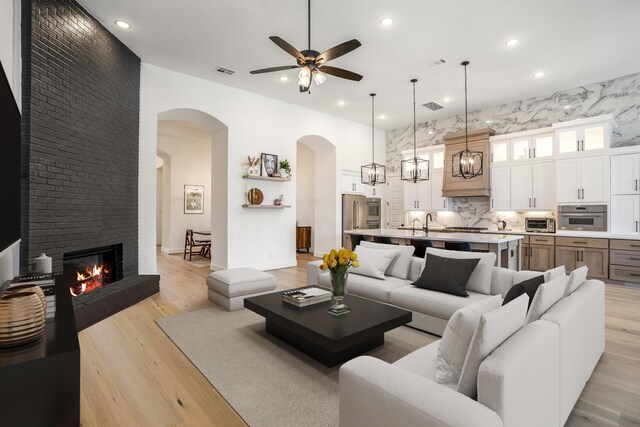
374 209
582 217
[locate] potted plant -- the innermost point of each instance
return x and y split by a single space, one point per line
285 166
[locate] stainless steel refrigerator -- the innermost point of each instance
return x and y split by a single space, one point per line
354 216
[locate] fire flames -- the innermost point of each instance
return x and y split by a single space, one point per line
89 280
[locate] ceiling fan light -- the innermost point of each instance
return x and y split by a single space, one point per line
304 77
319 77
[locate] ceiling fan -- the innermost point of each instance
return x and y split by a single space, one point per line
312 62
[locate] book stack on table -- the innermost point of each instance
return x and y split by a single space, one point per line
47 282
306 296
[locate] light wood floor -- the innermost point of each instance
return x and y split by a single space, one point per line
132 374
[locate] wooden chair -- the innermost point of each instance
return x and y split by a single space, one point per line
203 246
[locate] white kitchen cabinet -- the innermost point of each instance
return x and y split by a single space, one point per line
625 214
351 183
582 179
533 187
376 191
499 152
532 147
427 195
544 186
625 174
521 184
583 136
438 203
500 188
417 196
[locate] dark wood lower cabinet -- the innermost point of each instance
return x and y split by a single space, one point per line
596 260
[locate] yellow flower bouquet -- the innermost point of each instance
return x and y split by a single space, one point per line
338 263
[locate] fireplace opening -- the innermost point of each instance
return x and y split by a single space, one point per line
90 269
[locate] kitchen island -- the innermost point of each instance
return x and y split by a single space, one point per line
505 246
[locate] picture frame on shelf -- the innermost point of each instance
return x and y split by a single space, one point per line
193 199
268 165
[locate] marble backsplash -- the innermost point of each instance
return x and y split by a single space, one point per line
619 97
475 212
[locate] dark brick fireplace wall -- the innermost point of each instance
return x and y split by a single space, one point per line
81 93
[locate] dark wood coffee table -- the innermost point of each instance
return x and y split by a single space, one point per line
329 339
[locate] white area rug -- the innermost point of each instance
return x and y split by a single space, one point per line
266 381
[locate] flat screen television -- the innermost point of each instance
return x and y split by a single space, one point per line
9 165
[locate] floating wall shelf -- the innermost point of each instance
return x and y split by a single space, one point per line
267 178
265 206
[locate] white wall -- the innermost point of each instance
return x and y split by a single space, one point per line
305 186
190 154
263 239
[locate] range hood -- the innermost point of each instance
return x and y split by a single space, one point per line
458 186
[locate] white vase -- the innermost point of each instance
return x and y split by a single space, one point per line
253 171
42 264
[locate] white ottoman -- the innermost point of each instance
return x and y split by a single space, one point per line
229 288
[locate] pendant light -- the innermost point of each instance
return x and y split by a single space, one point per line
373 173
414 169
466 163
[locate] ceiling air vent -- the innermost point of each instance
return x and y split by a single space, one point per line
225 71
433 106
438 62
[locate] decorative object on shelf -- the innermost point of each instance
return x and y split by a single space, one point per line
415 169
42 264
311 62
373 173
286 167
466 163
279 201
255 196
338 264
253 169
194 199
269 165
22 315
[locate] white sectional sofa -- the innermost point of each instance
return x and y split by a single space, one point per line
533 379
431 310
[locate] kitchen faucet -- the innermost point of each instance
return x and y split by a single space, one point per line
426 222
413 226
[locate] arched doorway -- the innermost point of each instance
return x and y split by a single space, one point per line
318 201
201 127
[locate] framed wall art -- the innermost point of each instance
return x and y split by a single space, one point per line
269 164
194 199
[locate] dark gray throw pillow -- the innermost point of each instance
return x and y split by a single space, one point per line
529 287
448 275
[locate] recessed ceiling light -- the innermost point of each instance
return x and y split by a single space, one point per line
566 107
446 99
283 78
341 103
386 21
123 24
511 43
382 116
430 132
538 74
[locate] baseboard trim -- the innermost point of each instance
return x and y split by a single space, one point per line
171 251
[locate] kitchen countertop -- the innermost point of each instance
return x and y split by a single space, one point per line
559 233
488 238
